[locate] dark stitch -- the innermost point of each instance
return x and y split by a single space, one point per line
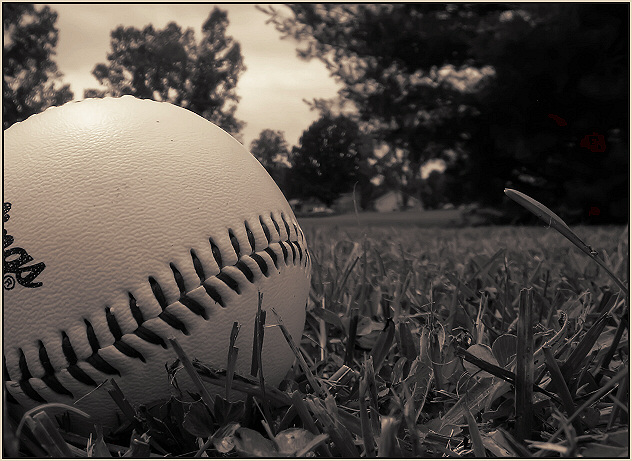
173 322
44 359
158 294
276 225
149 336
285 252
80 375
194 306
30 392
113 325
199 270
245 270
287 226
216 253
71 357
234 242
263 266
229 281
67 349
100 364
24 368
273 256
92 337
49 377
251 237
178 277
212 292
128 350
136 312
293 251
266 231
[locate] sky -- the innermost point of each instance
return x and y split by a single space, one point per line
272 88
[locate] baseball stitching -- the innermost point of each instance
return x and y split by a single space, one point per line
289 252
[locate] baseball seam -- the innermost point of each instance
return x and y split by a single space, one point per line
290 251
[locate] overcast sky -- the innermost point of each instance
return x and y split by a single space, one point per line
272 88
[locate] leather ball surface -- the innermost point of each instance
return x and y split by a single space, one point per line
127 222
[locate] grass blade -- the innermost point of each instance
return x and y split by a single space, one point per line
386 444
477 441
367 434
559 225
605 389
188 366
524 366
383 345
49 436
233 353
562 389
316 385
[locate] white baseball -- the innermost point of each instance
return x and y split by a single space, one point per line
132 221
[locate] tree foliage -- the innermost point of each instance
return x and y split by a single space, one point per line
270 148
331 158
272 151
474 84
31 81
170 65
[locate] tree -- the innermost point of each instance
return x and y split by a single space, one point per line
433 194
331 158
481 80
31 81
271 149
169 65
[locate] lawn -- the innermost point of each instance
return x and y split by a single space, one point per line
430 342
447 291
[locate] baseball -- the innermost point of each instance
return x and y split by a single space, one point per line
127 222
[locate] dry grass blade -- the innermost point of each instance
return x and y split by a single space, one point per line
257 341
524 366
139 447
316 385
559 225
188 366
124 405
233 353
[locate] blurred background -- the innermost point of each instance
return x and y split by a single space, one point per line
416 109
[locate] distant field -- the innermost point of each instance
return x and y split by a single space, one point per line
430 218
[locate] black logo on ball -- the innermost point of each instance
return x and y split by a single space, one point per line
15 260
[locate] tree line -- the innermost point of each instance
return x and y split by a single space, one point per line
529 96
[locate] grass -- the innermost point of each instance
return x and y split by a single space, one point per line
415 345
